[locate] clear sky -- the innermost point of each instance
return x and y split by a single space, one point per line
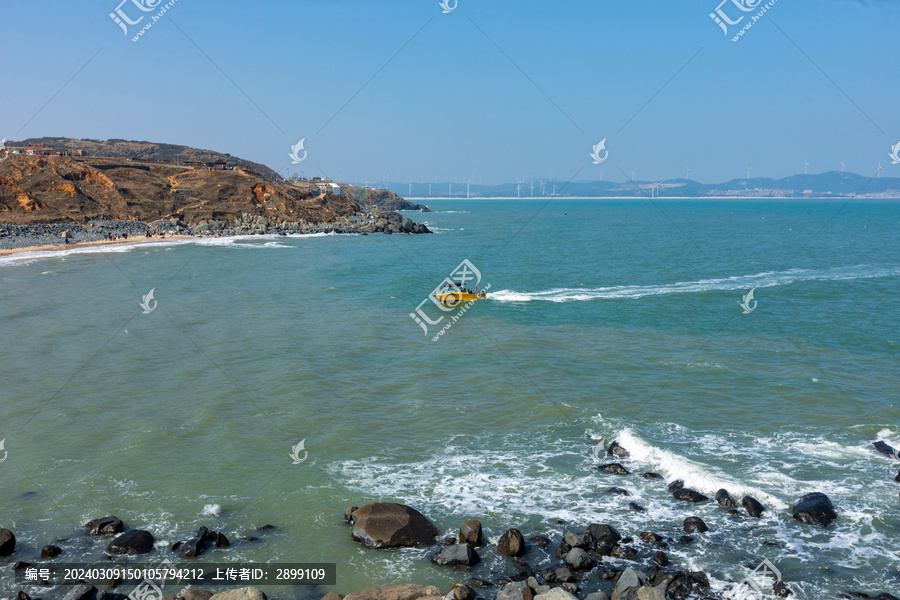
493 90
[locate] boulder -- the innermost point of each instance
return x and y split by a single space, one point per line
579 540
245 593
563 575
470 532
619 491
597 596
50 551
650 476
512 543
624 552
614 468
406 591
616 450
461 591
650 537
604 533
815 509
652 593
81 591
389 525
457 555
689 495
661 558
136 541
695 525
675 485
636 507
105 526
725 499
897 478
578 559
348 514
630 579
754 508
7 542
517 590
192 593
556 594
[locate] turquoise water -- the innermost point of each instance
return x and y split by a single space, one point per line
604 320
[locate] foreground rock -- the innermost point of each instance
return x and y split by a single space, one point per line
754 508
470 532
105 526
512 543
689 495
393 592
247 593
135 541
815 509
614 469
695 525
457 555
7 542
389 525
725 499
198 544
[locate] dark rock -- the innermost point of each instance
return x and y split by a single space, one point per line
191 548
389 525
273 528
548 574
754 508
564 575
82 591
516 590
462 592
512 543
614 468
50 551
700 578
480 583
624 552
616 450
725 499
578 559
22 595
539 540
636 507
136 541
685 539
897 478
689 495
597 596
222 541
192 593
105 526
695 525
449 540
660 558
680 587
886 449
630 579
781 590
815 509
604 533
675 485
579 540
109 595
603 548
470 532
563 549
886 597
650 537
652 476
7 542
348 514
457 555
619 491
19 565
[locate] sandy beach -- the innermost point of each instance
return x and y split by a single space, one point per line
61 247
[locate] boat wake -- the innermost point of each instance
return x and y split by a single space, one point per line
740 282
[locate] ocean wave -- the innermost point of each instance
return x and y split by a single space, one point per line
738 282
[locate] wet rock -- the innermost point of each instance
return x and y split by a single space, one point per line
754 508
449 540
105 526
50 551
348 514
689 495
7 542
461 591
652 476
389 525
539 540
604 533
579 540
470 532
564 575
20 565
614 468
680 586
222 541
246 593
136 541
695 525
563 549
457 555
517 590
619 491
578 559
725 499
652 593
597 596
661 558
193 593
512 543
815 509
700 578
636 507
897 478
616 450
273 528
650 537
624 552
478 583
630 579
781 590
82 591
556 594
675 485
21 595
685 539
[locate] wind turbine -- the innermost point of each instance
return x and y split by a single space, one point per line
542 187
519 183
842 165
687 173
806 167
429 190
532 188
468 181
878 172
748 172
410 189
656 187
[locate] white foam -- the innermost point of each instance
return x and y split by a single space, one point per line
738 282
211 510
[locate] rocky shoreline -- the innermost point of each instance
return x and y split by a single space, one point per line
594 561
27 236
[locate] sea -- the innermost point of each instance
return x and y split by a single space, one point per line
273 380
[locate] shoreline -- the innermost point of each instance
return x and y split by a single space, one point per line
63 247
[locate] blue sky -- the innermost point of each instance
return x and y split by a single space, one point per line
810 81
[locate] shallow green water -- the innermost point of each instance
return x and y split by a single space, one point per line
605 320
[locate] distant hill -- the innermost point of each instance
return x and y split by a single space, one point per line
116 148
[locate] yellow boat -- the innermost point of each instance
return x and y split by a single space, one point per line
455 295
